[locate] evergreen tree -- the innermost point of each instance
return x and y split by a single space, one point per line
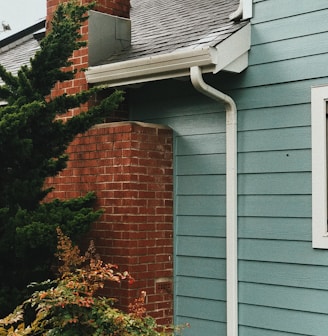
33 141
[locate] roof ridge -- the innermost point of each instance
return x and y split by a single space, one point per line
21 34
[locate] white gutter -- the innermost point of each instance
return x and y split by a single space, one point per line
231 196
156 67
231 54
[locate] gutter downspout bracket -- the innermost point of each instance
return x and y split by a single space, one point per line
231 195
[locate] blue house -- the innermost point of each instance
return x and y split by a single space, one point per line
244 87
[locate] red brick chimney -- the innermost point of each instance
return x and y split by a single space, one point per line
114 7
129 166
81 58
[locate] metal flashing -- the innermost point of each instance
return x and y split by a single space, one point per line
115 35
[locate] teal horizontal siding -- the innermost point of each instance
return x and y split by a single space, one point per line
277 9
286 71
302 46
243 331
207 164
275 206
207 247
274 139
290 27
206 267
284 274
274 95
201 226
290 229
204 309
301 323
280 274
182 103
290 183
290 298
193 124
198 327
279 117
201 144
201 185
201 205
275 161
281 251
212 289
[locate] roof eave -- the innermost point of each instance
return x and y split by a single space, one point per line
229 55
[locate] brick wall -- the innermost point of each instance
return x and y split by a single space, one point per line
113 7
129 165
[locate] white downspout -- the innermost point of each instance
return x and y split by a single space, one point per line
231 196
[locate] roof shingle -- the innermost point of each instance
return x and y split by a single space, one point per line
164 26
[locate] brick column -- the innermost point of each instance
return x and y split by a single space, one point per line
129 165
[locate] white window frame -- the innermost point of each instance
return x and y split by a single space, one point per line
319 101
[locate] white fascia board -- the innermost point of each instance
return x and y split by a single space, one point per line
175 64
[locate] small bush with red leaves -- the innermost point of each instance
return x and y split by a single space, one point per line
69 305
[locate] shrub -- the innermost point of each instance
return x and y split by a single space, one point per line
69 305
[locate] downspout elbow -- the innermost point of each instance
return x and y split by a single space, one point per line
199 84
238 14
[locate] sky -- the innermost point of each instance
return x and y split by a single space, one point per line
20 14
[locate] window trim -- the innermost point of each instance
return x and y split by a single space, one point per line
319 99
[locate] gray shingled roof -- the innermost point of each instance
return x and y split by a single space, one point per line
17 54
163 26
158 27
17 50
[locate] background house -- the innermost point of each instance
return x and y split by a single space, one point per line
282 266
17 49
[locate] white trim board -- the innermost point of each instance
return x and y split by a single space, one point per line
319 98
